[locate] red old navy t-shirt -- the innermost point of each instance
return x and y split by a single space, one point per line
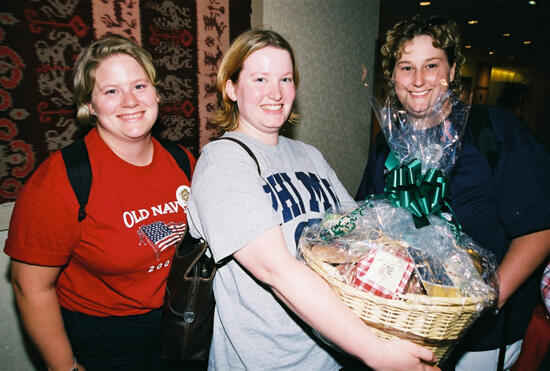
117 259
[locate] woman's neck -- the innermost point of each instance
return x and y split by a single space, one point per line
138 152
270 139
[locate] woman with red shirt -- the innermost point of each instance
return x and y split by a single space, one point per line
92 290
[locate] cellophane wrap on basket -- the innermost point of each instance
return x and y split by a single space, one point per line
434 138
435 261
400 260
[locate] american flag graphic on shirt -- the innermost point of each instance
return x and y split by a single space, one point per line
161 235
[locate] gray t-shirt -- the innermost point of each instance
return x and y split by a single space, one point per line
230 205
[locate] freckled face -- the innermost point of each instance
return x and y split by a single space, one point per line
124 101
265 91
421 74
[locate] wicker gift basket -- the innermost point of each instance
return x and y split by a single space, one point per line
434 322
443 293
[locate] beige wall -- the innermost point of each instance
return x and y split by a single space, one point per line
332 39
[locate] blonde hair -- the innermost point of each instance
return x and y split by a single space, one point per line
227 115
89 59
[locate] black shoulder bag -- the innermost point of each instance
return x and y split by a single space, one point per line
188 316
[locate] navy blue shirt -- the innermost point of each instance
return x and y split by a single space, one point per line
493 205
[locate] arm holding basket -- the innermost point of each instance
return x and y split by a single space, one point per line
307 295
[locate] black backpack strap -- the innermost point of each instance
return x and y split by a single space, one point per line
248 150
484 133
79 172
179 155
486 141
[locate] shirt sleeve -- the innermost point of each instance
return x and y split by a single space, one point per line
44 227
228 205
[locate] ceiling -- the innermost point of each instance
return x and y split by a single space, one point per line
495 17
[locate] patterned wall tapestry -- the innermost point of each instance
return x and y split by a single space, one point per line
39 42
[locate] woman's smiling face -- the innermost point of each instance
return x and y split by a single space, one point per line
264 92
421 74
124 100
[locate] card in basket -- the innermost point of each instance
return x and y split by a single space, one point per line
383 273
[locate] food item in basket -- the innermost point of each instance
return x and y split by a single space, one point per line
432 274
346 272
466 269
384 271
415 286
332 255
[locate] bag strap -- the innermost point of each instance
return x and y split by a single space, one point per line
486 141
179 154
484 133
504 337
248 150
79 169
79 172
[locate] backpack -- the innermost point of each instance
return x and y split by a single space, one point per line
79 170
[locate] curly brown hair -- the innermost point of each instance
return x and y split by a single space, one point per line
444 33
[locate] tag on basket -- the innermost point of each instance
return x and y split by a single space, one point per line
383 273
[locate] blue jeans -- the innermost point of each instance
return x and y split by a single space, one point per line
488 360
129 343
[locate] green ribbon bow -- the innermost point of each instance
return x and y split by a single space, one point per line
422 195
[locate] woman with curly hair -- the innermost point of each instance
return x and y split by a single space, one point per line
499 196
